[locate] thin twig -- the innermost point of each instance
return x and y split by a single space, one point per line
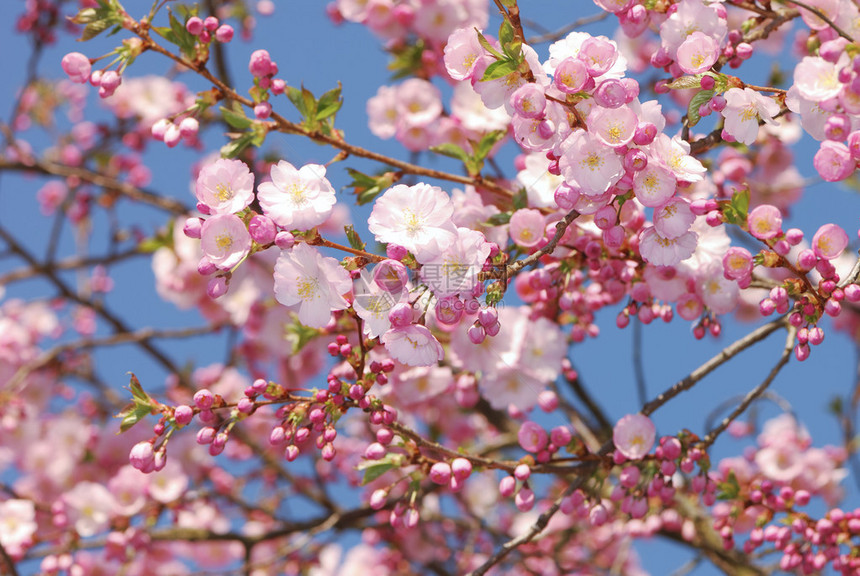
755 392
726 354
638 367
559 34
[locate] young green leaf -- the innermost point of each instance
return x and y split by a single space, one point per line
701 97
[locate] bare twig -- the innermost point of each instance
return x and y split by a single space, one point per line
755 392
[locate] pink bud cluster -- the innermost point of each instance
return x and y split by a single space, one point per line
806 301
207 29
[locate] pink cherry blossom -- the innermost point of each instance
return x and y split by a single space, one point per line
17 526
589 163
416 217
315 283
764 222
461 52
526 227
833 161
383 112
697 53
673 218
372 303
654 185
634 436
90 507
662 251
413 345
737 263
225 240
455 270
688 17
743 110
613 127
77 66
816 79
297 199
829 242
225 186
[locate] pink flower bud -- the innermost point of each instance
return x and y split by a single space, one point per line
260 64
507 485
400 315
206 435
440 473
224 33
211 23
192 227
532 437
524 500
375 451
262 229
476 333
142 456
183 414
461 468
263 110
188 128
77 66
377 499
194 25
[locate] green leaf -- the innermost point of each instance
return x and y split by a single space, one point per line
407 60
298 336
730 489
499 69
367 188
487 46
136 389
684 82
95 28
236 119
329 103
741 202
295 96
451 150
521 199
354 238
498 219
506 33
132 416
181 36
236 146
701 97
375 470
490 139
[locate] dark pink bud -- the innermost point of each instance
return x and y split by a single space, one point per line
224 33
262 229
194 25
440 473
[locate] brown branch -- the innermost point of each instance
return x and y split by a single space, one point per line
72 263
284 125
17 382
559 34
108 183
721 358
756 392
115 322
